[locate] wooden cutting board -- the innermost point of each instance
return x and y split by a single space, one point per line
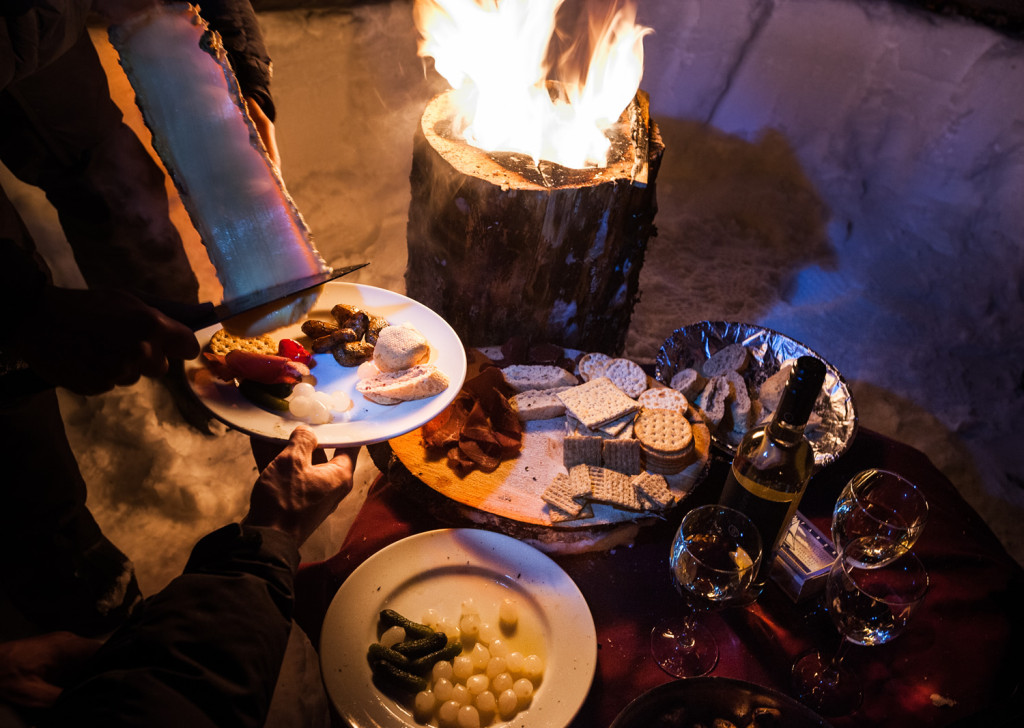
513 490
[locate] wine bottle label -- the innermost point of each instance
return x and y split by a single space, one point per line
770 510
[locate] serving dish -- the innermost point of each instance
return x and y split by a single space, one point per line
369 422
439 570
835 415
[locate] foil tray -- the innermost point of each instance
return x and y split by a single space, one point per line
690 345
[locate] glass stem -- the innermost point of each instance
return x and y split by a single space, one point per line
832 670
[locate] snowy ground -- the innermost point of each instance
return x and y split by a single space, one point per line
846 172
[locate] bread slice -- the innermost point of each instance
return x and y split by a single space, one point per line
739 416
689 382
538 404
418 382
731 358
523 377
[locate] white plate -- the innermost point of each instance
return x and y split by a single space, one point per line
370 422
439 570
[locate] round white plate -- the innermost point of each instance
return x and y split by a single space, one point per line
439 570
369 422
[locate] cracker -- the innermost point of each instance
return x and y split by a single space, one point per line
579 482
559 495
613 489
581 450
223 342
664 398
663 431
622 455
622 427
597 402
559 516
652 490
627 376
592 365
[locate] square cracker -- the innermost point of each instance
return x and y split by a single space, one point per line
580 485
557 515
559 495
614 489
597 402
653 489
581 450
622 456
622 427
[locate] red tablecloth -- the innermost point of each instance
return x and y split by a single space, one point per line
960 658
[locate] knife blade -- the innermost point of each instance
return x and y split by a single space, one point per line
199 316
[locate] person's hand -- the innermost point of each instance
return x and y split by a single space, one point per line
91 341
265 128
293 494
33 670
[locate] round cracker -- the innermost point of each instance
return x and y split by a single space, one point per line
664 398
223 342
628 376
665 432
592 365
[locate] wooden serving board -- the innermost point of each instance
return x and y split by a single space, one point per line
513 490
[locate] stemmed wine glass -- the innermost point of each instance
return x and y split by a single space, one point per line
883 510
869 606
714 557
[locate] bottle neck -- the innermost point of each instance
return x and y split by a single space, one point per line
784 433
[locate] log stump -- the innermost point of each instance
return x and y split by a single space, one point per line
500 246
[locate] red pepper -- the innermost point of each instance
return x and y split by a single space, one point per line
291 349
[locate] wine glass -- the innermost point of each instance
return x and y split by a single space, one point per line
882 509
714 557
869 606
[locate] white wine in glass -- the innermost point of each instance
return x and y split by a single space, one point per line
869 606
882 510
713 559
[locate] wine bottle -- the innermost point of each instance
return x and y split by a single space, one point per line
773 463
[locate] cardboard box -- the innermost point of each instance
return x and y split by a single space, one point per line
804 560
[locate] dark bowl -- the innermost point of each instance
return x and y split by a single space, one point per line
686 703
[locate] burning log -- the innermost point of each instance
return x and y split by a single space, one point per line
500 245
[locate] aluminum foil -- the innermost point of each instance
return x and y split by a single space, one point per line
833 428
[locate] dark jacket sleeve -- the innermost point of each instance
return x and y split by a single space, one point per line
205 651
34 32
242 35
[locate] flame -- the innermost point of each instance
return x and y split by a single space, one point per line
516 91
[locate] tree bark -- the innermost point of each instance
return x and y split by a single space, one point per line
500 246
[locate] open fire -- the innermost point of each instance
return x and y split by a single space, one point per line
537 77
532 179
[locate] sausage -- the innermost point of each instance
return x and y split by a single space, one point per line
333 340
314 328
353 353
342 312
374 328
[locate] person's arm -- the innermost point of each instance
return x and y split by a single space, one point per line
207 649
242 36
